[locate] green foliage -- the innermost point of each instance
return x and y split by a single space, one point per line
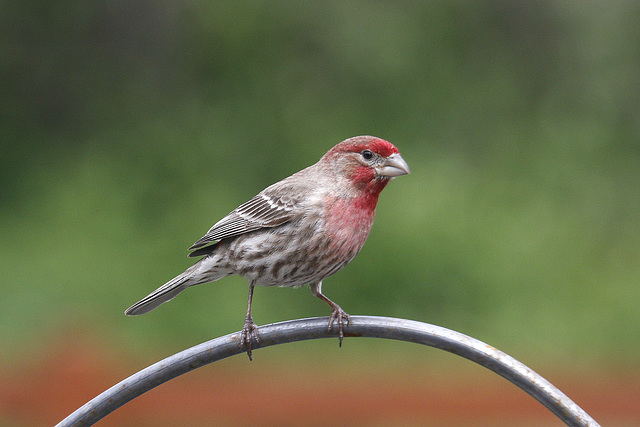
129 129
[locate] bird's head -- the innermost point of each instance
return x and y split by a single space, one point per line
367 162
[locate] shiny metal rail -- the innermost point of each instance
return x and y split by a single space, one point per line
305 329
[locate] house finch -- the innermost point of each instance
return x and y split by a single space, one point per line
297 231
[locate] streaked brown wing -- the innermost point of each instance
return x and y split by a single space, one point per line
261 211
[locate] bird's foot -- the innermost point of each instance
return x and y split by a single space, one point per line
341 316
249 329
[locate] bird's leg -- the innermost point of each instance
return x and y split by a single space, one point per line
337 313
249 328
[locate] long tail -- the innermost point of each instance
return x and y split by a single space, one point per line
169 290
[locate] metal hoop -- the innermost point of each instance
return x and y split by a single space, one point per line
314 328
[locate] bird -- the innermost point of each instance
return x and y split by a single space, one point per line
296 232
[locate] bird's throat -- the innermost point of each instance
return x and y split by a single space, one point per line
349 222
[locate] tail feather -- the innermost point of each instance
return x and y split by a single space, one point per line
168 291
200 272
161 295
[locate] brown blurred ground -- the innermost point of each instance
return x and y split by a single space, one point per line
43 391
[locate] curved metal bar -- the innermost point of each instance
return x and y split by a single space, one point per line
313 328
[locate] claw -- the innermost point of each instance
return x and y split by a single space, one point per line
339 315
249 329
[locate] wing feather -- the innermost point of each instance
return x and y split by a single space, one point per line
262 211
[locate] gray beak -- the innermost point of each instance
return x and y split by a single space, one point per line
394 165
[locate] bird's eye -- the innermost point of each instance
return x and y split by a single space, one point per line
367 154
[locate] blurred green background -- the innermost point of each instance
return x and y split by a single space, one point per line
128 128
